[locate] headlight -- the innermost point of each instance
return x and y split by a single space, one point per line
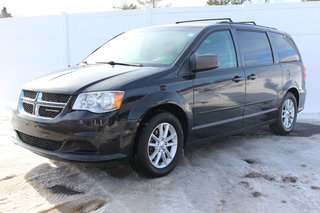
99 102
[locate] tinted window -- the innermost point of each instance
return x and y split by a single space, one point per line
221 45
255 48
284 47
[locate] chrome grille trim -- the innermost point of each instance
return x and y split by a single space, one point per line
39 102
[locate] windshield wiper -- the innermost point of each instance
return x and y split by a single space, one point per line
112 63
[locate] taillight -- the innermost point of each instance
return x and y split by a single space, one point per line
304 72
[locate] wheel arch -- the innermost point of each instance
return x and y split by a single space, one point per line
279 126
295 92
171 108
292 87
154 103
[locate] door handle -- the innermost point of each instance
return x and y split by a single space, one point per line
252 77
237 78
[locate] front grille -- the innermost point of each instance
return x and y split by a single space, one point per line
59 98
46 144
28 107
29 94
49 112
46 105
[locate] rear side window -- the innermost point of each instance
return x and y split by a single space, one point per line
284 47
255 48
220 44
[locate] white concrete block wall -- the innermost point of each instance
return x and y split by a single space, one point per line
88 31
33 46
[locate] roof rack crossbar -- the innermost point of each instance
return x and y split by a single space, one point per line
212 19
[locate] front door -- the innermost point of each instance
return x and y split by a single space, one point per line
219 94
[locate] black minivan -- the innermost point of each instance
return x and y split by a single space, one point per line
147 92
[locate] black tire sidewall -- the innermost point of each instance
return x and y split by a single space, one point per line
142 148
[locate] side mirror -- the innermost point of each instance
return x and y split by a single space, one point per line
204 62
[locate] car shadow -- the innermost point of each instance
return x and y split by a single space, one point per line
86 187
305 130
300 130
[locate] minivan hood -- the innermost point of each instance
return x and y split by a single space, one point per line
79 78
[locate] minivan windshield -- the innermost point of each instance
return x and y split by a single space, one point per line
145 47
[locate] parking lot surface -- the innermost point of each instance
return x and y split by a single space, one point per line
252 172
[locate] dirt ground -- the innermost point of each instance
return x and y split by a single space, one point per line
254 172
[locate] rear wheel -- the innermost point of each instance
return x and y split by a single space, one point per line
159 145
287 116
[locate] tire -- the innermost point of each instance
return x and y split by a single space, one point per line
287 116
155 156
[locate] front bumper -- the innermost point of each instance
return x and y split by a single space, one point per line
69 156
75 136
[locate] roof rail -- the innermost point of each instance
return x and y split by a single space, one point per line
253 23
246 22
224 21
229 20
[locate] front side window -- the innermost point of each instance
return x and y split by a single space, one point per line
220 44
148 47
255 48
284 47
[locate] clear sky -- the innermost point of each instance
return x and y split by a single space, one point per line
51 7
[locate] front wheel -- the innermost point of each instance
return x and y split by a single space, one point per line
159 145
287 116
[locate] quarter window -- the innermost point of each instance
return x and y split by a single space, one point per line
255 48
220 44
284 47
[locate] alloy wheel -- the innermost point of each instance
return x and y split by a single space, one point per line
162 145
288 113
